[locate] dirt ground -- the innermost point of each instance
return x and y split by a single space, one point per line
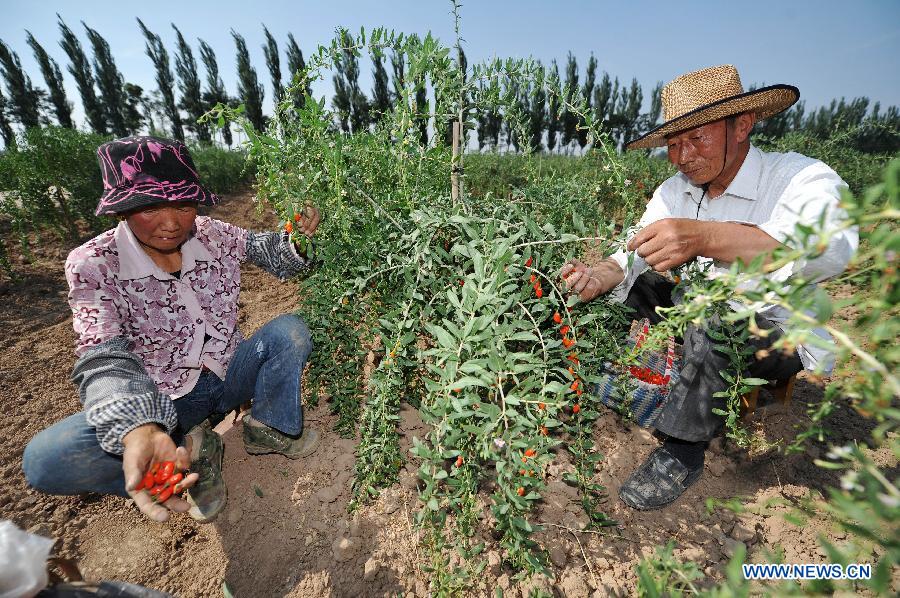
286 530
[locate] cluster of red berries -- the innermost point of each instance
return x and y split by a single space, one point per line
646 374
289 226
162 481
649 376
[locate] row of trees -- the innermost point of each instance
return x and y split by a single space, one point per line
114 106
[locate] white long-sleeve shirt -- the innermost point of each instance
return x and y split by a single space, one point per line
773 192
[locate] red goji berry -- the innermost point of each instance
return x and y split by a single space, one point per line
544 430
567 342
529 453
459 461
289 227
297 217
533 278
520 491
521 472
564 330
576 408
541 406
528 262
574 385
167 469
539 292
556 317
165 495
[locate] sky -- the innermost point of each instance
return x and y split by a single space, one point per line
829 49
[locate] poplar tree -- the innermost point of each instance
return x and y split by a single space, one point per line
296 63
53 78
630 109
554 94
250 91
352 101
341 99
587 94
398 68
381 94
215 88
273 61
164 79
6 131
134 101
537 113
189 83
80 69
604 100
110 82
24 100
570 119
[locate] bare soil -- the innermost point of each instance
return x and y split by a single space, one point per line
286 530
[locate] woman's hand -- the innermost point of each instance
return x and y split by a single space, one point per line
309 221
144 446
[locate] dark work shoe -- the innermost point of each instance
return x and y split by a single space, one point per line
208 496
260 439
659 480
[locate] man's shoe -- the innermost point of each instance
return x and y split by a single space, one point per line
260 439
658 481
208 496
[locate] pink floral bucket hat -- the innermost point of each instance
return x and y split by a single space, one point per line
143 170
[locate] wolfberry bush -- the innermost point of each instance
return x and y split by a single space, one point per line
453 303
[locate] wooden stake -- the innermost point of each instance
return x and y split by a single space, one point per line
456 168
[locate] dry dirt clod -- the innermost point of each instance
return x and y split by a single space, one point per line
371 569
574 586
559 555
343 549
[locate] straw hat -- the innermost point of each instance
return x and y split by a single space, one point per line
707 95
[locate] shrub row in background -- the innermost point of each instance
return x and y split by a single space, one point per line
51 183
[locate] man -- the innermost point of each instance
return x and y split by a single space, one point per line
729 201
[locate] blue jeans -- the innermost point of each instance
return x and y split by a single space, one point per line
66 458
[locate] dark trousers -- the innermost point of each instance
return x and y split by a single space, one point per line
688 413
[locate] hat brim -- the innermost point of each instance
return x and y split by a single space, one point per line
125 198
765 102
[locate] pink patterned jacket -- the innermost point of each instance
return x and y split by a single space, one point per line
175 326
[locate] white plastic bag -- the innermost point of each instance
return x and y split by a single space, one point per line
23 561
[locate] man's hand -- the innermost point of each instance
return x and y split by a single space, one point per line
145 445
669 242
590 282
309 221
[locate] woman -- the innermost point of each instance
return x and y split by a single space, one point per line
155 308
